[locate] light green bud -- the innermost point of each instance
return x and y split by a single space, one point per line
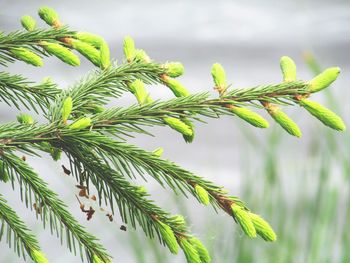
92 39
178 220
201 250
55 153
244 220
28 23
96 259
3 173
142 190
49 15
138 89
169 237
61 52
219 76
178 125
39 257
105 55
80 124
129 48
175 86
141 55
249 116
158 152
47 81
282 119
188 138
324 79
202 194
326 116
88 51
289 69
97 109
174 69
67 109
263 228
190 251
27 56
25 118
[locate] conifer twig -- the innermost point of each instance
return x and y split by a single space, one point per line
54 207
94 138
22 240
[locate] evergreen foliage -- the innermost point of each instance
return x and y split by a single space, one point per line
94 138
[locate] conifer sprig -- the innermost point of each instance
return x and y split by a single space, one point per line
132 202
18 235
79 125
30 40
102 85
17 90
125 156
52 208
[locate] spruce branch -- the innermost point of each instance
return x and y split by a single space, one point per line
142 161
126 158
80 126
132 201
18 235
130 119
16 90
101 85
52 208
30 40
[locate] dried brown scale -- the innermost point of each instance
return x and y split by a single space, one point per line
154 217
224 202
6 141
191 183
90 213
65 170
83 193
57 24
110 217
264 103
179 235
300 97
66 40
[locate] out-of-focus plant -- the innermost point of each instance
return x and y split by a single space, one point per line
93 137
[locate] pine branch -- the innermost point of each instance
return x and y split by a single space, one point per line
30 40
132 201
100 85
78 124
127 158
113 186
18 235
15 89
281 93
130 119
142 161
52 208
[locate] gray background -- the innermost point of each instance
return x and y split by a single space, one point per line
247 38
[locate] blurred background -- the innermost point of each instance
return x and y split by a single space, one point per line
301 186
